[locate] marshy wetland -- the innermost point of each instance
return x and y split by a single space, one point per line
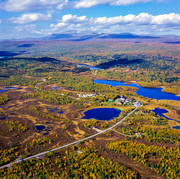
48 101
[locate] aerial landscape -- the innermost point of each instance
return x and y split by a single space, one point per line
90 89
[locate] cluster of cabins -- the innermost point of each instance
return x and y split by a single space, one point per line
121 100
118 100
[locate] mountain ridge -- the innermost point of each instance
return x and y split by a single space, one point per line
78 37
83 37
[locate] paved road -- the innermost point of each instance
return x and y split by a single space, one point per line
72 143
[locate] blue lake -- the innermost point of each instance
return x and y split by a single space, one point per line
89 66
2 118
1 91
46 133
161 113
8 88
59 111
55 88
154 93
105 114
40 127
176 127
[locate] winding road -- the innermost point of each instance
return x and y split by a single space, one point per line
72 143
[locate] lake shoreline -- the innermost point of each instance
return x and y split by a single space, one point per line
154 93
137 83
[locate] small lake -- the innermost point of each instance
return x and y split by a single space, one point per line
40 127
103 114
59 111
2 118
8 88
46 133
89 66
1 91
161 113
154 93
55 88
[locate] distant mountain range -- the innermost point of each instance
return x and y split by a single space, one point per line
170 39
79 37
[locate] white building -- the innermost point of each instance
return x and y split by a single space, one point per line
81 95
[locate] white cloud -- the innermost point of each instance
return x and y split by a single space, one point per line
73 19
126 2
141 19
62 4
71 23
31 5
167 19
91 3
143 22
31 17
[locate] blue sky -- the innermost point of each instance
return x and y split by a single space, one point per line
37 18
